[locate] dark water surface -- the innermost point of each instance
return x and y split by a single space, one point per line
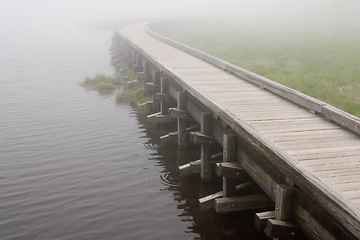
74 165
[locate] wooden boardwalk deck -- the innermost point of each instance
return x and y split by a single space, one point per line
317 155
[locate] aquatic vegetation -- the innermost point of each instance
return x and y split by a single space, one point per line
130 94
102 83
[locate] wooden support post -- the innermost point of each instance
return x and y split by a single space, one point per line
133 55
206 173
164 88
282 227
284 203
229 155
156 80
181 105
138 62
146 76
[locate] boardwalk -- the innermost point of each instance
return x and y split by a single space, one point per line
317 156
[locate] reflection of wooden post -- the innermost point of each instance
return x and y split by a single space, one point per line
156 80
229 155
181 104
205 122
164 106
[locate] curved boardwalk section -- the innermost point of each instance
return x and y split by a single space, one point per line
307 165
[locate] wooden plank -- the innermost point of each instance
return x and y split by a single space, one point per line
152 87
316 144
164 98
195 166
241 203
179 114
169 138
202 139
261 219
160 118
280 229
207 202
190 168
231 170
312 104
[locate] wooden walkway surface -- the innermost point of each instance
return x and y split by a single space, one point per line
324 153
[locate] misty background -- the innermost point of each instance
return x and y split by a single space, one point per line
64 152
54 15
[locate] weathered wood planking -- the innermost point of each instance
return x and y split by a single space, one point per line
269 123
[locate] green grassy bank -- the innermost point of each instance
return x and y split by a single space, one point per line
318 58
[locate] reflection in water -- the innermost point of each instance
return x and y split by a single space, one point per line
187 190
76 166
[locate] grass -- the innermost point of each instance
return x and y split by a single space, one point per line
106 85
103 84
319 59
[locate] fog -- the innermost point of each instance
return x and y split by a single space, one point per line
63 13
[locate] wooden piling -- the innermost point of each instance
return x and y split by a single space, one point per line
206 173
146 67
156 81
164 88
281 226
229 155
181 104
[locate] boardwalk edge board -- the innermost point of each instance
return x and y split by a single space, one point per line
329 112
265 162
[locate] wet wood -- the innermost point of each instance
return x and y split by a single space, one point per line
202 139
205 127
233 204
195 166
160 118
280 229
207 202
152 87
261 219
284 204
179 114
164 87
231 170
169 138
226 169
182 117
286 136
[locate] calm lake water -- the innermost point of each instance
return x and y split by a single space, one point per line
75 165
